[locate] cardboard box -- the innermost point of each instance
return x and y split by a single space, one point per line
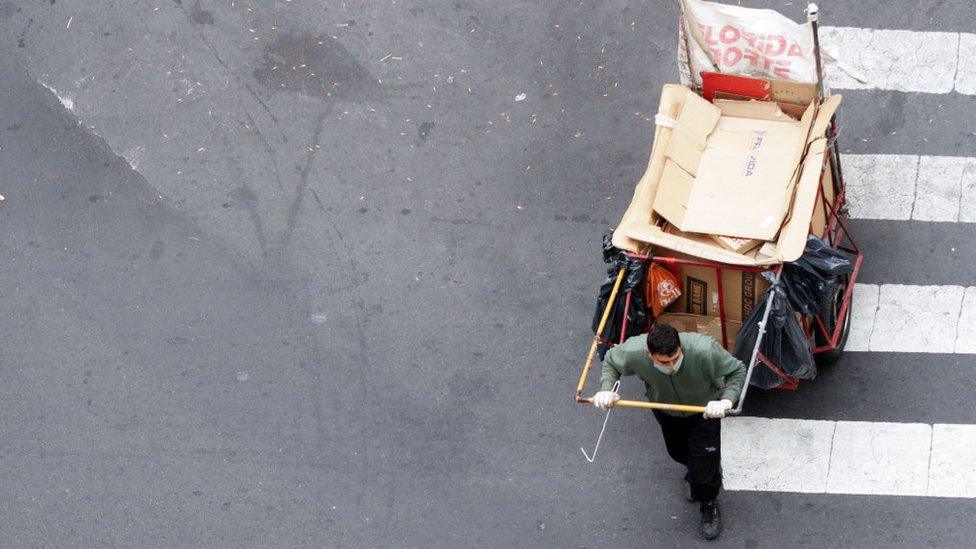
742 291
797 93
742 183
639 230
691 130
707 325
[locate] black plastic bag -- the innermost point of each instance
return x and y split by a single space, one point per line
633 280
784 342
808 279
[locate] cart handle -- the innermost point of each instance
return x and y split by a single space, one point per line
745 384
755 349
599 331
651 405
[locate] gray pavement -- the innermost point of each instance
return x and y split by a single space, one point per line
295 273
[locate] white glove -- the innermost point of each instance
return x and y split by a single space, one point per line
605 399
717 408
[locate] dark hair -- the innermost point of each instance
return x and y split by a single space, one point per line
663 340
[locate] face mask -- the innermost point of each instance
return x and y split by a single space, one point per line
673 369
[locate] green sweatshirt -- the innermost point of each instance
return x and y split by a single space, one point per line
707 372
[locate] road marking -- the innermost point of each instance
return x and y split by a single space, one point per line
913 319
849 457
966 74
900 60
903 187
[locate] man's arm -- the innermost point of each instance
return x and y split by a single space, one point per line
614 366
729 370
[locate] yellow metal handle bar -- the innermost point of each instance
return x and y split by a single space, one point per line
599 330
652 405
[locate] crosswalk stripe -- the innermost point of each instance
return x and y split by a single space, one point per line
903 187
913 319
901 60
849 457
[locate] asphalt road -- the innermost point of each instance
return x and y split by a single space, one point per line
296 273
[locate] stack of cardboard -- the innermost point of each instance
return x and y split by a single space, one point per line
736 181
731 180
731 168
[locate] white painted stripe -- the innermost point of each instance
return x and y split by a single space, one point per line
864 309
913 319
900 60
966 74
849 457
966 338
894 59
903 187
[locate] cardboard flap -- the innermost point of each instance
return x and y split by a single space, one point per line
793 239
756 110
637 230
787 91
744 179
672 199
653 235
672 99
690 137
824 114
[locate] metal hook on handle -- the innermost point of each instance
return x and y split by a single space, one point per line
616 385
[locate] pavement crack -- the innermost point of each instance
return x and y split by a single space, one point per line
830 455
213 51
928 470
267 148
302 186
918 175
874 318
962 309
955 73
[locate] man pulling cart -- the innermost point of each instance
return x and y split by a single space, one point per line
732 265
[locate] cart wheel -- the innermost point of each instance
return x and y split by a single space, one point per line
833 302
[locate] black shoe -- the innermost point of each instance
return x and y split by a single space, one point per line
711 520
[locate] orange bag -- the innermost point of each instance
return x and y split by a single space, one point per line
663 288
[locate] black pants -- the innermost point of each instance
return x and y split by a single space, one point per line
696 443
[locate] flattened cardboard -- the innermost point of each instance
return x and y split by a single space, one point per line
637 232
824 114
798 93
675 191
793 111
793 239
692 128
743 181
639 211
760 110
745 177
735 244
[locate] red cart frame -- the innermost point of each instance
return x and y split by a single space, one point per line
823 339
835 232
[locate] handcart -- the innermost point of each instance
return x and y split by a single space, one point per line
817 208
